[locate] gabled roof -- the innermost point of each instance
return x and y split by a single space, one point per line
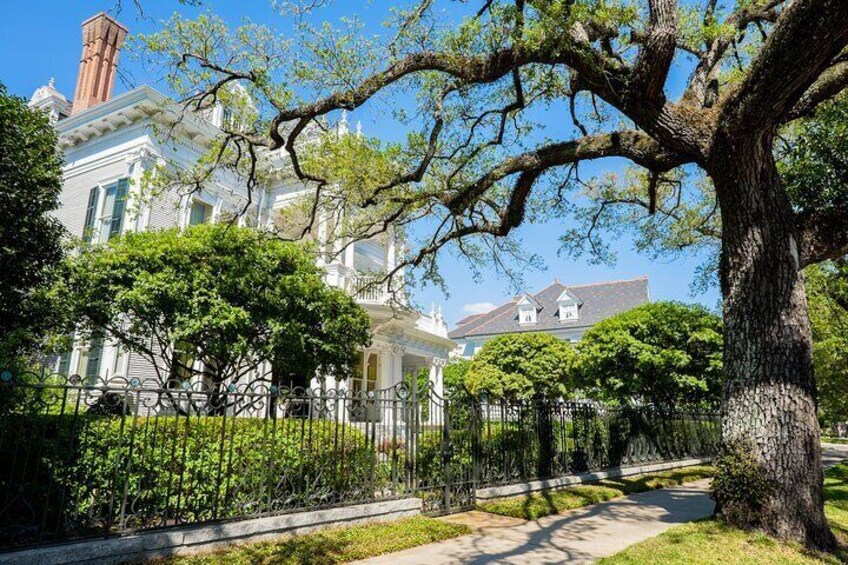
527 299
566 296
597 301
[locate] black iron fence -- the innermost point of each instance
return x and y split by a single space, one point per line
534 439
82 458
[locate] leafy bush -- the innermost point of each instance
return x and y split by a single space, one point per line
168 470
522 366
663 353
740 487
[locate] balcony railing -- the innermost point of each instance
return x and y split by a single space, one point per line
369 288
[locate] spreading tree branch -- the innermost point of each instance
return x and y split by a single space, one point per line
808 35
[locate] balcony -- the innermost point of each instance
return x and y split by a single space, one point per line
369 289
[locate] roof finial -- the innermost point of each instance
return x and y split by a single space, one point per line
52 82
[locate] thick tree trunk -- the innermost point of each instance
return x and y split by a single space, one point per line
769 397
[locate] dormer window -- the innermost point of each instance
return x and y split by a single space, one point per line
568 312
569 307
527 310
528 315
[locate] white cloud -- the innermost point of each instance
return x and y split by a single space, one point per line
478 307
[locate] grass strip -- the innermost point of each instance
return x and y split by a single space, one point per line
708 542
545 503
327 547
838 440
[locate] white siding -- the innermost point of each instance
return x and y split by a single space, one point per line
74 196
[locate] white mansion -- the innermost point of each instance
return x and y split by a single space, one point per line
109 142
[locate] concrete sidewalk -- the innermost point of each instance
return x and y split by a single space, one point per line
578 536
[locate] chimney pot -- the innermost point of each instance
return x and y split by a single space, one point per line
102 38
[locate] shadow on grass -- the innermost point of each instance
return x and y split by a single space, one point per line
332 546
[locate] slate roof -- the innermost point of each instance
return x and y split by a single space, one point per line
599 301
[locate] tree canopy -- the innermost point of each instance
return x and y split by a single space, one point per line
30 238
508 98
454 374
662 353
521 366
230 297
827 285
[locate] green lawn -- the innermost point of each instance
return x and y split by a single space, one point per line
545 503
332 546
834 440
708 542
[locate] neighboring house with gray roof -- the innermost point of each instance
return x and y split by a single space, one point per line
561 310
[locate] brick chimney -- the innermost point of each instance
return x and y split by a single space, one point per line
102 38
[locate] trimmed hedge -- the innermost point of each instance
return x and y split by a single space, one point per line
511 450
89 471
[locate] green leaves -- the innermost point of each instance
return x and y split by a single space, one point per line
236 295
30 239
663 353
814 164
520 366
827 292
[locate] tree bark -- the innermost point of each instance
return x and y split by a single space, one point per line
769 395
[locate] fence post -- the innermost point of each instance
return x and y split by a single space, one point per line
476 425
446 452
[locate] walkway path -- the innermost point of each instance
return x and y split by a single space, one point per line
579 536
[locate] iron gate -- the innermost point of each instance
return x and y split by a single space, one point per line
445 447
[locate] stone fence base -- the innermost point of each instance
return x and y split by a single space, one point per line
534 486
191 539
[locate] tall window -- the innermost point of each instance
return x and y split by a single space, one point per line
366 378
182 364
64 364
104 215
88 364
201 213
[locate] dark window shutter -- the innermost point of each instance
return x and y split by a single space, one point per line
95 352
91 213
118 209
64 363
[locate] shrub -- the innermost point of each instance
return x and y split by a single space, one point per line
740 487
663 353
168 470
521 366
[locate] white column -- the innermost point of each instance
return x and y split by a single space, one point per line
437 376
216 209
438 389
397 365
185 210
350 254
385 368
391 250
321 237
108 358
138 162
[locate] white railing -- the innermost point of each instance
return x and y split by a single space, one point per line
368 288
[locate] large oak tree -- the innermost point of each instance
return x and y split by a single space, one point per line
496 97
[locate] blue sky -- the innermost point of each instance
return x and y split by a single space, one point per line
40 40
